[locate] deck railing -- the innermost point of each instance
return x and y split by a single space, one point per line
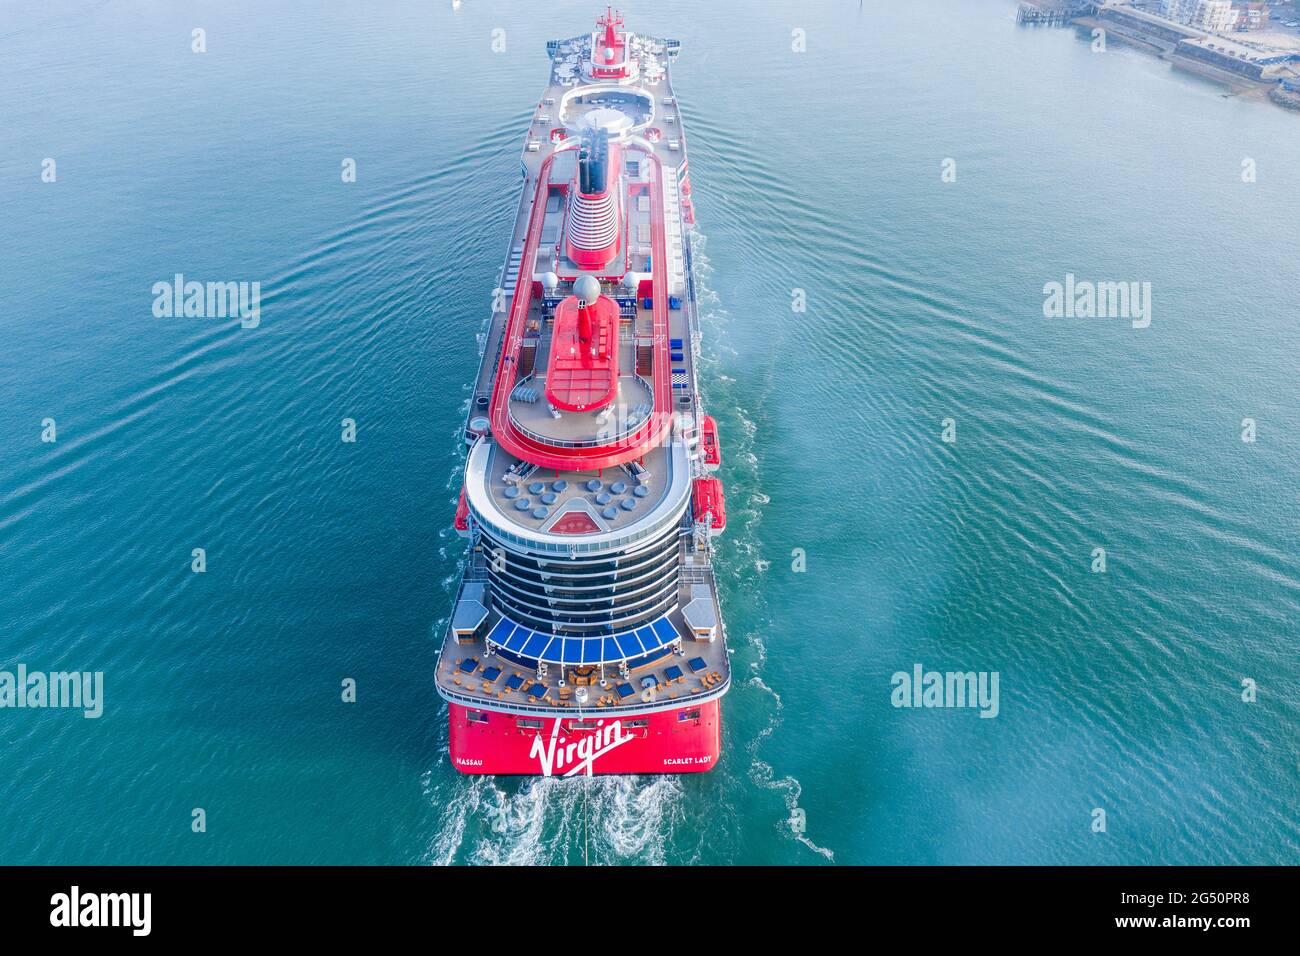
614 710
623 437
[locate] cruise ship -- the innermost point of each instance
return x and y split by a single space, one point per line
586 635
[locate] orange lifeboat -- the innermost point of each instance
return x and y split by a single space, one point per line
709 443
462 515
707 499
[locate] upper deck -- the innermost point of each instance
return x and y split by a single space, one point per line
644 278
546 407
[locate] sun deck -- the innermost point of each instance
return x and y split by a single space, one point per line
613 498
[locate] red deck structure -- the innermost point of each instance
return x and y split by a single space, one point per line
610 56
594 222
575 522
583 367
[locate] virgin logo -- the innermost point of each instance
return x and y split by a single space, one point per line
558 755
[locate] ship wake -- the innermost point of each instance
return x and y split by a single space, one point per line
747 550
595 821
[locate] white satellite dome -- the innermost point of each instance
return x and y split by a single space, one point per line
550 281
587 289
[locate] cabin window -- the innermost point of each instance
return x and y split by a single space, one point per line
634 724
527 723
688 714
476 717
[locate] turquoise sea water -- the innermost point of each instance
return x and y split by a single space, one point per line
818 171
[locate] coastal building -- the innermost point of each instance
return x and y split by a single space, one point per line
1249 16
1160 30
1213 16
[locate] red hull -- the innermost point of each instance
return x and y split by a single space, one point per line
686 740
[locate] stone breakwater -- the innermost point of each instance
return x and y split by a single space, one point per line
1287 99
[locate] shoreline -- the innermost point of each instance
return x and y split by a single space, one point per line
1235 84
1169 53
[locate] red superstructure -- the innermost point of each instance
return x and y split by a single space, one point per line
592 231
655 430
583 369
609 60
